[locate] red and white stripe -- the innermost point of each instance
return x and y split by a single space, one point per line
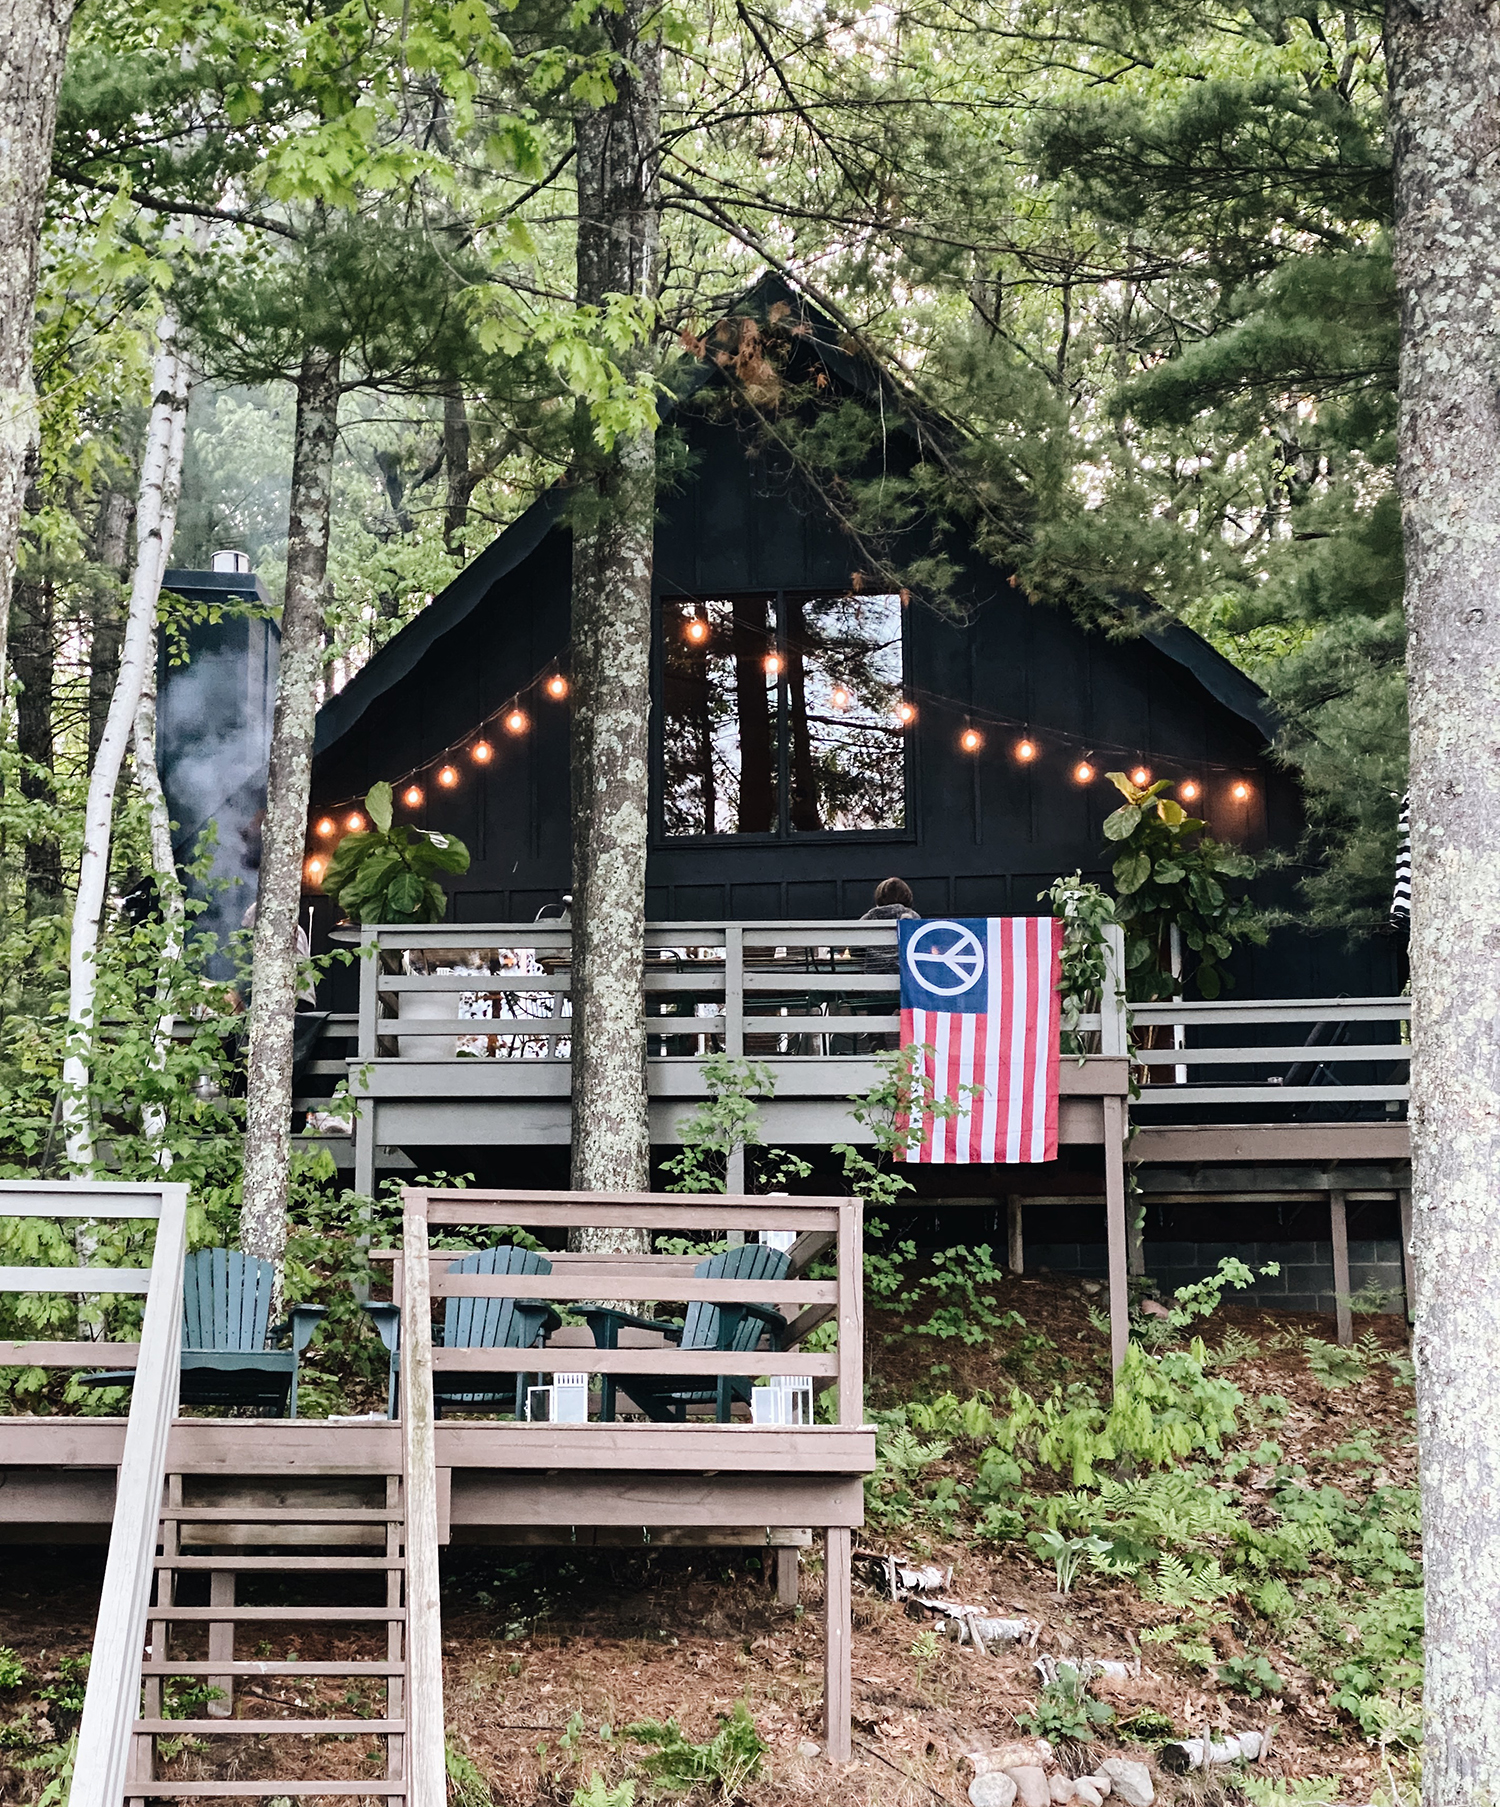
1007 1054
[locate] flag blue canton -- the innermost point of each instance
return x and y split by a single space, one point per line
944 963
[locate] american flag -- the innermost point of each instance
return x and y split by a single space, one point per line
981 993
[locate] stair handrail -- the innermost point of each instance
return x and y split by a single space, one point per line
427 1773
112 1700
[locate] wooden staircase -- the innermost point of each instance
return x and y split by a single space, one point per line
317 1539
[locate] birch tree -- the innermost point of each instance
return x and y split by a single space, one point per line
33 42
156 519
613 523
1445 88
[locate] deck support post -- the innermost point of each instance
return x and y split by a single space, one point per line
838 1676
426 1767
221 1592
1015 1229
788 1576
1338 1227
1114 1212
1408 1254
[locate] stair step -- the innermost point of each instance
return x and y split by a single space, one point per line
275 1515
353 1667
266 1728
274 1615
302 1564
255 1791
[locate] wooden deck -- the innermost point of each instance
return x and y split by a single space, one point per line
234 1495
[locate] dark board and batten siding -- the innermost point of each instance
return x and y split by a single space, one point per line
984 833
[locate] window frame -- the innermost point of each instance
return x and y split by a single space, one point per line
783 835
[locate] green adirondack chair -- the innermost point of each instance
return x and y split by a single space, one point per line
478 1324
665 1398
226 1327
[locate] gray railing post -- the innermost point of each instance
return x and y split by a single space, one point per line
1113 1027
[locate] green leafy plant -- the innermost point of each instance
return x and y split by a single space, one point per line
727 1119
730 1759
596 1792
1066 1554
466 1784
1334 1366
1145 1726
13 1672
1086 912
385 873
1170 874
1251 1675
1066 1711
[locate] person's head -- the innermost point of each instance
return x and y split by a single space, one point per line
894 891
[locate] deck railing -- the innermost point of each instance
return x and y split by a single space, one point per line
112 1701
1273 1059
816 1226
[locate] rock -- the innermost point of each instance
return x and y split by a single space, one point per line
1100 1784
992 1789
1035 1752
1061 1787
1085 1794
1031 1784
1130 1781
809 1748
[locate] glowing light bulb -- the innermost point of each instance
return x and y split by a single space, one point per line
1083 772
971 740
448 777
481 752
412 796
696 630
839 697
1239 791
1140 777
515 722
773 665
355 823
1025 751
557 686
1188 791
327 825
315 870
906 713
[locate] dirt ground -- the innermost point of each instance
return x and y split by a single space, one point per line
551 1655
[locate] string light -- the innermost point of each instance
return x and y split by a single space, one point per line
1025 751
1140 777
355 823
971 740
481 752
448 777
905 713
1083 772
412 797
1188 791
696 630
515 722
315 870
327 826
1239 791
557 686
773 665
839 697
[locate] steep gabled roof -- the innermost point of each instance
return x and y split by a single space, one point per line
1223 680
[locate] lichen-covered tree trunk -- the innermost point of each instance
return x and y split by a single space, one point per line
33 41
273 999
1445 73
618 232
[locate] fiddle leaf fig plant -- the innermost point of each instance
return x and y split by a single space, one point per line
1171 873
386 873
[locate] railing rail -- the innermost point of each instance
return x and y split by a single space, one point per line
112 1701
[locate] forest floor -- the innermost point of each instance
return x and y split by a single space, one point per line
1295 1613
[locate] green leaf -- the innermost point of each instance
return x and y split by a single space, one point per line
1169 872
1172 813
1123 823
378 803
1208 981
1131 871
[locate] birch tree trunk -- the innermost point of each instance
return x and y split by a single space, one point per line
614 517
1445 76
156 520
33 42
273 999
